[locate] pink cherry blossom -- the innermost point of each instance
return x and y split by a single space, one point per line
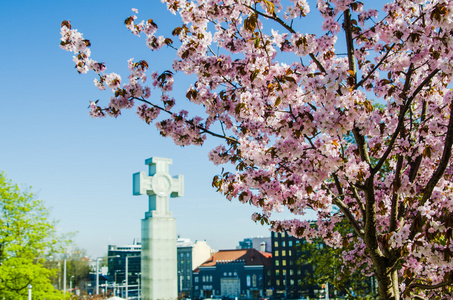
352 120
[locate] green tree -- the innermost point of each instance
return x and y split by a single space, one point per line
327 267
78 268
27 237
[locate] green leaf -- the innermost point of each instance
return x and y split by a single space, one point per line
257 42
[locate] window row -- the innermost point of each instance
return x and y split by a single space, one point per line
283 262
283 243
291 272
207 278
277 253
283 282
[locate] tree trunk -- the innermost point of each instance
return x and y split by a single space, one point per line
387 278
386 272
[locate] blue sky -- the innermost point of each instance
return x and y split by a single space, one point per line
82 167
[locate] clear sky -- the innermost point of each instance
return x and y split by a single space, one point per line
82 167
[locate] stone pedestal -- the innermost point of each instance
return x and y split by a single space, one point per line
159 280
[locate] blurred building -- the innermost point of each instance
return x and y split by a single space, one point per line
242 273
257 243
287 275
117 265
189 256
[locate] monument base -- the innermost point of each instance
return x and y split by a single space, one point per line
158 259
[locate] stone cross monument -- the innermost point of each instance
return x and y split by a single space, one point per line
158 257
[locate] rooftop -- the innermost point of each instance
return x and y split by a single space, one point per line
249 257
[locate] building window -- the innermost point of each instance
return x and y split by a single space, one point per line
276 253
291 272
277 282
283 252
248 280
284 272
275 244
196 279
254 280
290 253
182 255
283 234
291 282
277 263
283 244
277 272
187 255
284 262
290 243
298 272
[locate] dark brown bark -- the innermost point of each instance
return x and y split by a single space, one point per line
384 267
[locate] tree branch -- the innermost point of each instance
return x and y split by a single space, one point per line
361 145
345 210
428 286
401 122
442 165
361 82
443 162
395 196
204 130
415 165
418 297
360 140
355 193
347 26
290 29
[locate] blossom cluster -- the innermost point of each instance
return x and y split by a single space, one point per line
363 135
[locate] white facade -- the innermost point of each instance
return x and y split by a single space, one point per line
190 256
200 253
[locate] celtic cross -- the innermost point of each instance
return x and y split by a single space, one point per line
158 185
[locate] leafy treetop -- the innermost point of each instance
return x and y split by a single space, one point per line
27 237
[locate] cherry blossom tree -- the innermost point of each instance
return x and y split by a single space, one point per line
355 116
